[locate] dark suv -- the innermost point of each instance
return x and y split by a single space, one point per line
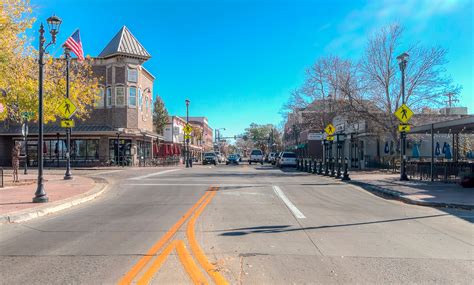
209 158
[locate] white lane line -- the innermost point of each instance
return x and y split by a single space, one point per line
297 213
154 174
104 172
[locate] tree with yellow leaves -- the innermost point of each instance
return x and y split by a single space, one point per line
19 71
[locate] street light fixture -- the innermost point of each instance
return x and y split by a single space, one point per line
54 23
187 139
402 63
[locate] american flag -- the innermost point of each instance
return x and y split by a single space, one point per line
75 45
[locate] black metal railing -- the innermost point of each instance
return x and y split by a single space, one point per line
442 171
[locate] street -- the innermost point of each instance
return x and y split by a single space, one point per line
241 225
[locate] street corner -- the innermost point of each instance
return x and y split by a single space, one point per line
16 203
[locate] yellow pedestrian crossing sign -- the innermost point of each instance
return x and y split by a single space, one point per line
67 123
330 129
187 136
330 138
404 113
188 129
67 109
404 128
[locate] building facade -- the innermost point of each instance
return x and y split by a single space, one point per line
119 129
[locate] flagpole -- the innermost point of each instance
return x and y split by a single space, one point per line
68 174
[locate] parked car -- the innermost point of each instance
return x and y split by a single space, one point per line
287 159
232 159
256 156
209 158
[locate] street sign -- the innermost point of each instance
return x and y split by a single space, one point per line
330 129
315 136
24 130
67 109
404 128
330 138
67 123
188 129
403 113
187 136
27 115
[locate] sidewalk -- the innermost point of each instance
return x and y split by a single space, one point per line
16 198
434 194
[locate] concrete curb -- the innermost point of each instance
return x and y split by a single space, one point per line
29 214
384 193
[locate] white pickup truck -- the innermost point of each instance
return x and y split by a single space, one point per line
256 156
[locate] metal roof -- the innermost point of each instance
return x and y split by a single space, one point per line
124 43
462 125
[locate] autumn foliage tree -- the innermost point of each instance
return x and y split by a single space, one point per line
19 71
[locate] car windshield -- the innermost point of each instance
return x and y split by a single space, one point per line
289 155
256 152
209 154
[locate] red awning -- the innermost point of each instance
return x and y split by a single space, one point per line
176 149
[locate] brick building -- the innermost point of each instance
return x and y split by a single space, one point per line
119 129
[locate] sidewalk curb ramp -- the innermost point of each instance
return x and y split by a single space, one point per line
387 193
101 185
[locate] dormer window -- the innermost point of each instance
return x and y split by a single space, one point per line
132 75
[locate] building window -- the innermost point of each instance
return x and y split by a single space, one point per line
109 97
132 96
132 75
119 96
99 103
140 99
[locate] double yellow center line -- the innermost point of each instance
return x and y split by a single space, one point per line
184 256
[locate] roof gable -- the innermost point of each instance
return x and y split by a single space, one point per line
124 43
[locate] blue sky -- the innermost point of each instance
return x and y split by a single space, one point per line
237 60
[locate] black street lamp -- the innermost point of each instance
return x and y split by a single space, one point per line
402 63
187 138
68 174
53 23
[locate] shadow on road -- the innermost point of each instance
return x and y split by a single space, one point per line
286 228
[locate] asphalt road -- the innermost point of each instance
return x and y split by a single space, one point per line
238 225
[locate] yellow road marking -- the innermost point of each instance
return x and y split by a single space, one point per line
196 249
128 278
189 264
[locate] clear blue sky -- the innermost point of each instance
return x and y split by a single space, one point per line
237 60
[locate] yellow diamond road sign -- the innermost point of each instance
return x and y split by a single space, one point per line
188 129
330 129
67 109
404 113
404 128
67 123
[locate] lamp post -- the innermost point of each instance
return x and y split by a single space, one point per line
187 139
54 23
402 63
68 174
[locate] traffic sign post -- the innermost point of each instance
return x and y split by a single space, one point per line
404 128
403 113
330 129
67 109
67 123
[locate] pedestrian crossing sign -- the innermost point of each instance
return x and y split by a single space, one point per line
67 109
188 129
330 129
404 113
404 128
330 138
187 137
67 123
